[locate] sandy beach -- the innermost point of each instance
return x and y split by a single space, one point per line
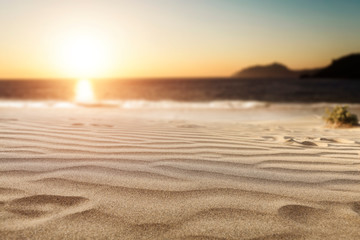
104 173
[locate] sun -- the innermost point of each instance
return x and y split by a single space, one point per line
84 92
84 55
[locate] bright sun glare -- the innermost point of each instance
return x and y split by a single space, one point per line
84 92
84 55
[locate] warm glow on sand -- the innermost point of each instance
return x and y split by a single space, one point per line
84 92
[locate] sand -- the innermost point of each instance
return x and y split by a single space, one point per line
103 173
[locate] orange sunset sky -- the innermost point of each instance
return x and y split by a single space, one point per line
166 38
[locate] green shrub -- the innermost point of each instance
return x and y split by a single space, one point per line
340 117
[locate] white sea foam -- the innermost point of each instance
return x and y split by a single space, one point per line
139 104
164 104
136 104
35 104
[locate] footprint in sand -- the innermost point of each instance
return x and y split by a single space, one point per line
300 213
305 142
308 143
41 205
78 124
102 125
189 126
337 140
290 140
329 140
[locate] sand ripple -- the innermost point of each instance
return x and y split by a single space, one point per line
74 176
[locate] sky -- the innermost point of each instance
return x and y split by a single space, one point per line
171 38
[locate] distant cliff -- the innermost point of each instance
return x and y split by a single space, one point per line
345 67
275 70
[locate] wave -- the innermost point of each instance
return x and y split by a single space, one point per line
162 104
136 104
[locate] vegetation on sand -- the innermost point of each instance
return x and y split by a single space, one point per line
340 117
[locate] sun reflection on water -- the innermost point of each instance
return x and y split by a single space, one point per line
84 92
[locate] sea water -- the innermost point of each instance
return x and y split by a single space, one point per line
214 93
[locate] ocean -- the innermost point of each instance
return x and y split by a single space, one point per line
181 93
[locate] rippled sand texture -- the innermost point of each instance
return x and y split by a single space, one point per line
106 174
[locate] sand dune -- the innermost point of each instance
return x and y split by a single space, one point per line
102 174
